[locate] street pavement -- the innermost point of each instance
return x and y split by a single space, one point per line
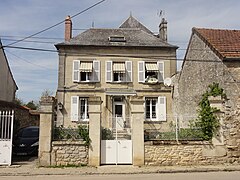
29 167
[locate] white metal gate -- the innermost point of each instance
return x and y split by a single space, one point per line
116 144
6 136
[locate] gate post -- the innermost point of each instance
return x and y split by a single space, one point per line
94 130
47 105
137 110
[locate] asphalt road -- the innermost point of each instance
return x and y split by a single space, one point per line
173 176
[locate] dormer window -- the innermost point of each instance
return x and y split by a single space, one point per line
117 39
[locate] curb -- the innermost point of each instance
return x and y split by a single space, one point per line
16 171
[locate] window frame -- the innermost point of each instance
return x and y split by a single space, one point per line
86 108
151 108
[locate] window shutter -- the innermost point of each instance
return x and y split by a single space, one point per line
128 65
109 71
162 108
161 71
74 108
141 71
96 71
76 73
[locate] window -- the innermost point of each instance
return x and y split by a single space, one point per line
150 106
84 109
150 72
118 71
155 108
79 109
86 71
117 39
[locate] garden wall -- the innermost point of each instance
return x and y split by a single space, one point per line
69 153
186 153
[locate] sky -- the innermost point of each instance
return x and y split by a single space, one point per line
37 71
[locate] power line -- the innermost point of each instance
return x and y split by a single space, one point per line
46 29
55 38
118 55
31 49
44 67
26 41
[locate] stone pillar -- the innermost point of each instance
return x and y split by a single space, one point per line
94 130
137 111
218 149
47 105
217 102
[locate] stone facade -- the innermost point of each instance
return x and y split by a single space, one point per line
69 153
186 154
201 68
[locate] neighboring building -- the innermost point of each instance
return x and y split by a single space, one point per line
8 85
213 55
124 68
115 64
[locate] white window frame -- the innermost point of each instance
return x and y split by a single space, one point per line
151 109
85 113
76 109
93 76
161 109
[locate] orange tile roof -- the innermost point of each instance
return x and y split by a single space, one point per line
226 43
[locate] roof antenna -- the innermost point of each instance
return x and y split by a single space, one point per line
130 13
161 13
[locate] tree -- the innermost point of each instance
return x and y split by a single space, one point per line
32 105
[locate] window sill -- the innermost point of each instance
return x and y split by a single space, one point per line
86 82
119 82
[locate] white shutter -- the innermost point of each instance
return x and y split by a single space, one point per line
96 71
109 71
76 73
141 71
74 108
128 65
161 71
162 108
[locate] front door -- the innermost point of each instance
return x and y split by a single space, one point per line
119 115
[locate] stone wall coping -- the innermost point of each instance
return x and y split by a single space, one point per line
173 142
67 142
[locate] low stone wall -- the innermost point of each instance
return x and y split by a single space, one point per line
186 153
69 153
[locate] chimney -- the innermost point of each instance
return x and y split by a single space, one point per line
163 30
68 28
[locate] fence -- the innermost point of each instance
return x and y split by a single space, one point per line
79 133
175 129
6 136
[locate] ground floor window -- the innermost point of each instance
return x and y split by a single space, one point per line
84 109
79 109
151 108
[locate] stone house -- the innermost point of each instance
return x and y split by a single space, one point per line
8 86
115 77
213 55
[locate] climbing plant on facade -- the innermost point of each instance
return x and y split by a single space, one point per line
207 120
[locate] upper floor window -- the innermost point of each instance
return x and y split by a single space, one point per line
150 72
119 71
79 109
86 71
